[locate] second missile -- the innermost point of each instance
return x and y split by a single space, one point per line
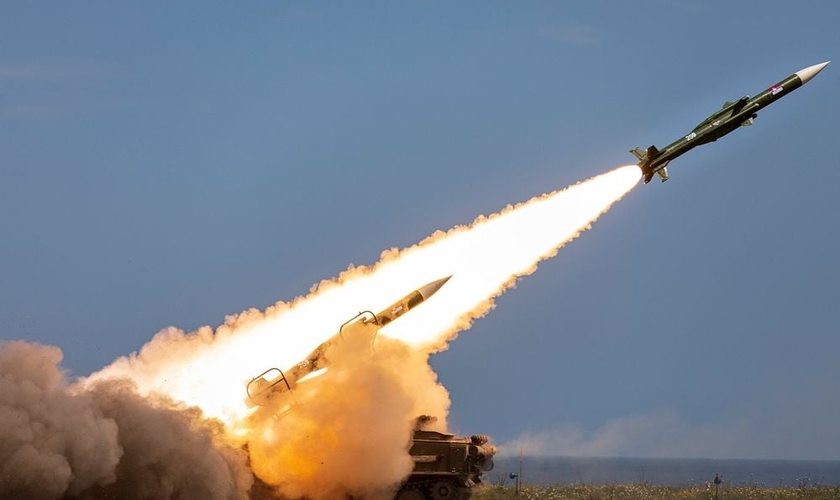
262 388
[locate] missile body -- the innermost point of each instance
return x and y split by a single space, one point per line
273 382
733 115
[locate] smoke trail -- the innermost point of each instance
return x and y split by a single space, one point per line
144 417
485 258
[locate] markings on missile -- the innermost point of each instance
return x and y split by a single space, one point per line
690 136
775 89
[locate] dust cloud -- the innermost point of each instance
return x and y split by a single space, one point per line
58 441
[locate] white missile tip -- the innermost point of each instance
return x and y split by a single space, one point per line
429 289
811 71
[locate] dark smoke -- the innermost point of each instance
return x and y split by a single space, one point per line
58 441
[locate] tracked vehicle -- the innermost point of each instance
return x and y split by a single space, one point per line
445 466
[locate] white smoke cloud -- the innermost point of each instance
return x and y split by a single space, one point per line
658 434
791 422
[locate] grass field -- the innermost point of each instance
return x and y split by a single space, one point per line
647 492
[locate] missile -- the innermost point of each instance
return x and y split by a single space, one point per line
273 382
734 114
408 302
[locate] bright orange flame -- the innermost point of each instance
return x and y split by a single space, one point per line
209 369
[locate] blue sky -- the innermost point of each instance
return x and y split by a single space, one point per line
170 164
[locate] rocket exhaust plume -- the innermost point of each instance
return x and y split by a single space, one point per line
349 429
207 368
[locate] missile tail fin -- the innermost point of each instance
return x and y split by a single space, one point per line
638 153
663 172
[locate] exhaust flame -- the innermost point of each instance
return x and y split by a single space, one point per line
148 413
209 369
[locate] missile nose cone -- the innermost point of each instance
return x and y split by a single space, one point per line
810 72
429 289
